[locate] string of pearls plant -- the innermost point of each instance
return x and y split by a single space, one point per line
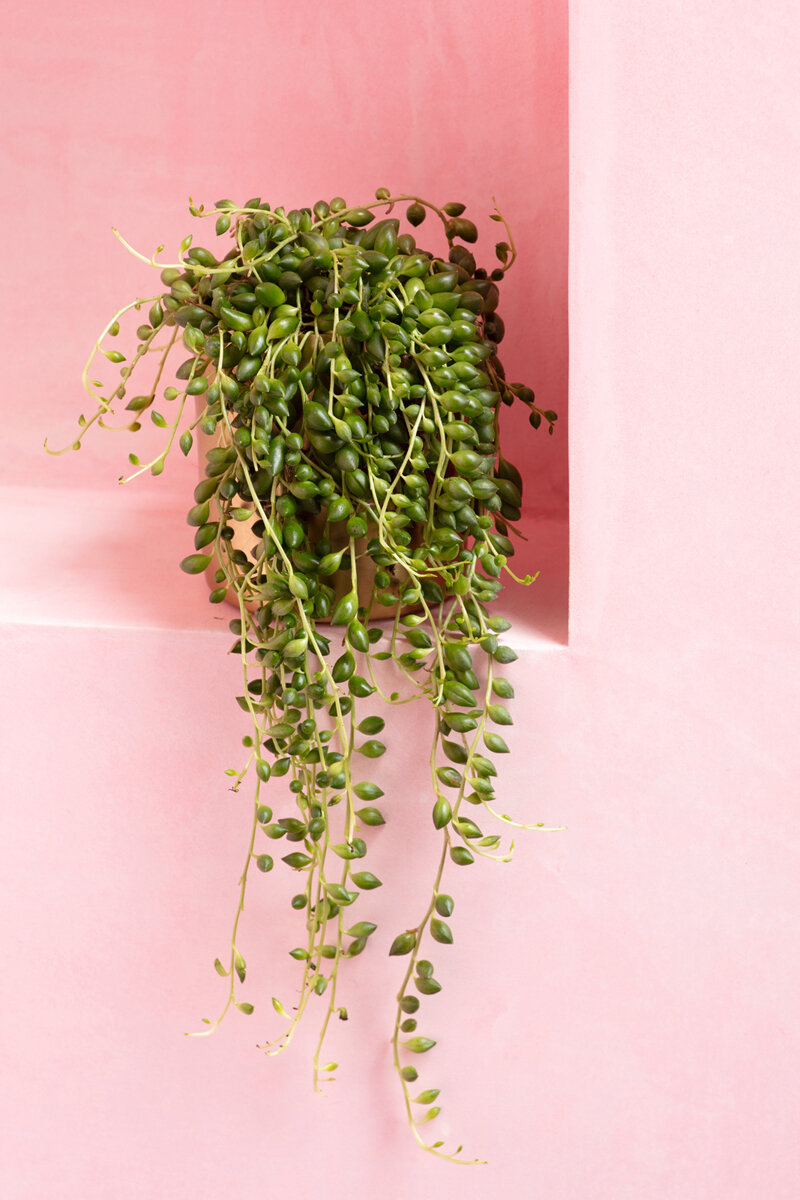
351 384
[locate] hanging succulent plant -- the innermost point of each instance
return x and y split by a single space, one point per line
356 508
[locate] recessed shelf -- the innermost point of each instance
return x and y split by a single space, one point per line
109 559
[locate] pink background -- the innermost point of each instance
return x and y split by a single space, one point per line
619 1014
117 115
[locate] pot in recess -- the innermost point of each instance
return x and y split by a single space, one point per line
244 539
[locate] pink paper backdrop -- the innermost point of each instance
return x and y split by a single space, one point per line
619 1016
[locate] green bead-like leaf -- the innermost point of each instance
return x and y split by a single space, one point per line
442 812
484 766
296 860
345 610
495 743
340 894
372 748
298 587
366 880
343 668
457 657
195 564
449 776
441 932
504 654
371 725
455 751
344 850
368 791
444 905
462 228
461 723
358 216
361 930
419 1045
296 647
358 637
370 816
270 295
198 515
330 563
458 694
358 686
404 943
281 729
339 509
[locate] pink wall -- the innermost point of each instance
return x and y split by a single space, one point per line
677 707
619 1019
117 114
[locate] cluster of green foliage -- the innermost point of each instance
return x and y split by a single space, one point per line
351 384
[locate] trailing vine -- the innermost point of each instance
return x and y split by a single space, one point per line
348 385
